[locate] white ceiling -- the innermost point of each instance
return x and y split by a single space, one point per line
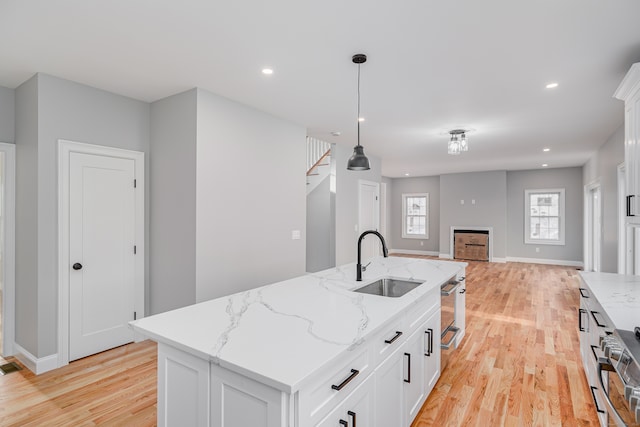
433 66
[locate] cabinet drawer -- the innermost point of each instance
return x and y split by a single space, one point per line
336 382
388 340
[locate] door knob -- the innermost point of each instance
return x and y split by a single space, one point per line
77 266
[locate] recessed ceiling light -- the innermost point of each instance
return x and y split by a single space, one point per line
336 133
267 71
544 165
406 174
546 149
361 119
552 85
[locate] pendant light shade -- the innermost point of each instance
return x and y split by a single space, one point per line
358 161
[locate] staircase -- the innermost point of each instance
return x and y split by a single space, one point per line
318 162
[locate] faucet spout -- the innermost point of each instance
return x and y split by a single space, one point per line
385 251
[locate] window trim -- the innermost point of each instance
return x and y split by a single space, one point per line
561 217
404 216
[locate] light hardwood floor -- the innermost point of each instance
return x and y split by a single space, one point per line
519 365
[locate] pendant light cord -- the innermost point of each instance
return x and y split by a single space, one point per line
358 104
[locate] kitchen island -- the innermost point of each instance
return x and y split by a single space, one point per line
303 351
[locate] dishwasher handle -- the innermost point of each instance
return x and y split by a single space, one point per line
450 287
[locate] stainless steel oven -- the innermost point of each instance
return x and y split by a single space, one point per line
619 376
449 330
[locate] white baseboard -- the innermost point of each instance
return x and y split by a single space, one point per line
36 365
413 252
500 260
546 261
445 256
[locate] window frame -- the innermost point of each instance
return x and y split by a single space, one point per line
424 236
561 217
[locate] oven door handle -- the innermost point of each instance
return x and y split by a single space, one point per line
605 364
447 292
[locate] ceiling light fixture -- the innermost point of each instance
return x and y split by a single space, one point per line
267 71
358 162
552 85
458 142
546 149
544 165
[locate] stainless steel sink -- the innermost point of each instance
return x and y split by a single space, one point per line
389 287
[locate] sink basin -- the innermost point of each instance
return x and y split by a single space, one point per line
389 287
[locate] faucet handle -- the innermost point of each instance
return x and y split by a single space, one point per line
364 267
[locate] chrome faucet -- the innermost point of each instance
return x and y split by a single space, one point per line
385 252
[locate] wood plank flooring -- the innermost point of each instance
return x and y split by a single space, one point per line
519 365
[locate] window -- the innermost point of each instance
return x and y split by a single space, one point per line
544 217
415 216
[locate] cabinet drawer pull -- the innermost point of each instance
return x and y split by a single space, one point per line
397 335
354 373
593 314
593 393
593 350
629 213
408 380
582 293
429 333
353 417
344 423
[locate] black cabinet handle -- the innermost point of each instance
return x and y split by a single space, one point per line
344 423
354 373
408 380
593 350
77 266
593 314
629 205
596 400
582 293
463 291
397 335
429 333
580 327
353 417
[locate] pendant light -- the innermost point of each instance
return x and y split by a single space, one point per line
358 161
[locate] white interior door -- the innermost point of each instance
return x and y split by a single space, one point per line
369 217
593 228
101 252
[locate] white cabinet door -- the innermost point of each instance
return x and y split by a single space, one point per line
414 385
431 330
389 391
356 410
238 401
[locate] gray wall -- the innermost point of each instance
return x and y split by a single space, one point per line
320 213
71 111
172 263
568 178
347 201
7 115
251 190
429 184
603 166
26 292
489 190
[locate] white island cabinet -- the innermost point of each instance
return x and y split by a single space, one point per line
305 352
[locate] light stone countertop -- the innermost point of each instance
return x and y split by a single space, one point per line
619 296
281 334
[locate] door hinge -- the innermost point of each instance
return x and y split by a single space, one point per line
135 183
135 315
135 249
